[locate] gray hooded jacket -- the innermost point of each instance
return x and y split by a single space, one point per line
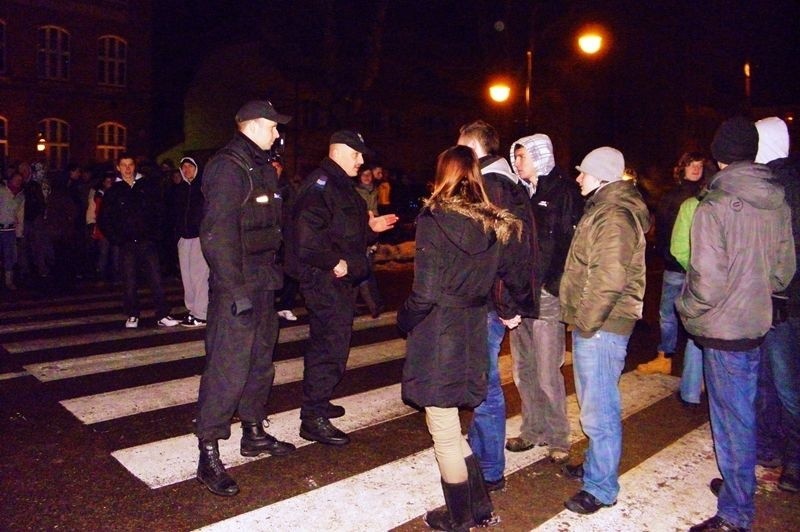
742 252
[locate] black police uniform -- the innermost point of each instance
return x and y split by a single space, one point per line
329 223
239 235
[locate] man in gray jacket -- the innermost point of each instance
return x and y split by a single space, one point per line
742 252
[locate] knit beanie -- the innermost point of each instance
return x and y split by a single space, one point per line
773 139
606 164
736 139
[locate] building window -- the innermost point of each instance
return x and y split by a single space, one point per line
112 61
2 46
111 141
3 137
53 53
55 133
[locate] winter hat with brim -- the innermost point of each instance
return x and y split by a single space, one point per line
736 139
773 139
606 164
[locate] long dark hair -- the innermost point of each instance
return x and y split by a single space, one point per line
458 174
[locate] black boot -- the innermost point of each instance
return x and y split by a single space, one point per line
211 472
457 515
481 503
256 441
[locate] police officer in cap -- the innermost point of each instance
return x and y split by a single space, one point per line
330 231
239 236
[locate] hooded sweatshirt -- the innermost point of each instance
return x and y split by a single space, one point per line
773 150
188 204
741 252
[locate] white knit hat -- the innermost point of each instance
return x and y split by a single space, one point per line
606 164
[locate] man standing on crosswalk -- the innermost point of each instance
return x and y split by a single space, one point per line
239 236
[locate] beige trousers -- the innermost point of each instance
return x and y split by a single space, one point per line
449 445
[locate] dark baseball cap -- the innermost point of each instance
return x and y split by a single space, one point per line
260 109
352 139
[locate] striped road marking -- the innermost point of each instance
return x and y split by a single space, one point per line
78 367
412 483
121 403
174 460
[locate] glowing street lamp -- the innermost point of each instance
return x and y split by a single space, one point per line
40 144
499 92
590 43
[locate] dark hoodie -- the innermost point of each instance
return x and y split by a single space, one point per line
604 275
461 249
742 252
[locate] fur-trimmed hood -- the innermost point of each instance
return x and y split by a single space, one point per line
473 227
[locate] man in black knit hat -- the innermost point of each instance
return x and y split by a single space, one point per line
742 252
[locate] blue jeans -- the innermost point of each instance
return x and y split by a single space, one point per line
692 376
731 377
597 363
487 432
668 319
778 395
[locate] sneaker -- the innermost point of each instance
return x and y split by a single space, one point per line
716 524
660 364
132 322
192 321
168 321
585 503
288 315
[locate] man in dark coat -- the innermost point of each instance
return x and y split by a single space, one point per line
328 237
240 234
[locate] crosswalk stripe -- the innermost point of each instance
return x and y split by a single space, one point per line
44 325
174 460
81 366
129 401
672 484
412 483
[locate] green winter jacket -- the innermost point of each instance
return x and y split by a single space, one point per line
680 243
604 276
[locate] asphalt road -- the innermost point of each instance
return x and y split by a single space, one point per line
96 426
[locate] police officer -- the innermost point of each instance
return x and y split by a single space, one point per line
239 235
330 231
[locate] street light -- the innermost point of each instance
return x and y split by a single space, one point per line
499 92
40 144
590 43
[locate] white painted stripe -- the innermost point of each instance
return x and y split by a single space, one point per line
121 403
287 334
13 375
412 483
64 322
77 367
174 460
667 492
50 308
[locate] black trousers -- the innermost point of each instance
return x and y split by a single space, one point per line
331 305
135 255
239 370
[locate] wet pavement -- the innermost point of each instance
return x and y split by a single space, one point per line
96 426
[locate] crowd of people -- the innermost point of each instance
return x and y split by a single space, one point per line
500 245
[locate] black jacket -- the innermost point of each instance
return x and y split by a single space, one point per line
240 231
507 192
557 208
132 213
461 249
329 222
187 208
787 174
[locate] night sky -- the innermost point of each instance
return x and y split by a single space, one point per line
660 58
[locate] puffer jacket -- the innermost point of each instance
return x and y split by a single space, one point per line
461 249
604 276
742 252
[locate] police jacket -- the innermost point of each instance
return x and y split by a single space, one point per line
742 252
461 249
329 223
132 213
240 231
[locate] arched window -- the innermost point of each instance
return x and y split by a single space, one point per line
112 61
111 141
3 137
53 53
2 46
55 133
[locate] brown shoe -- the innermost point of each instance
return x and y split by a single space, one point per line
518 445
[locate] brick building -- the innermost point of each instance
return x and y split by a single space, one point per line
75 80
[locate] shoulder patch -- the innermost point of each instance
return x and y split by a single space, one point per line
321 181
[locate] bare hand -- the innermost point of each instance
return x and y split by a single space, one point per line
383 223
513 322
340 270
